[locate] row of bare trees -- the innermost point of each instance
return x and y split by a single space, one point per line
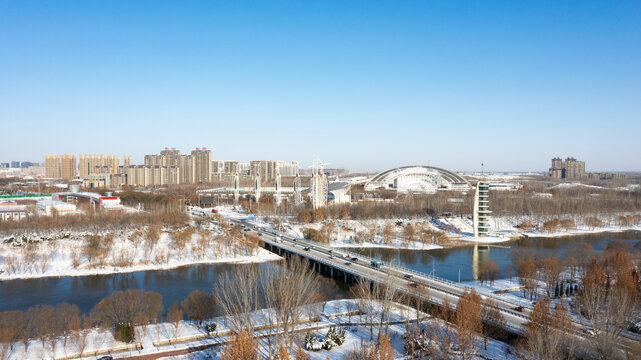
527 201
45 323
407 235
290 294
609 298
562 201
570 223
64 325
92 221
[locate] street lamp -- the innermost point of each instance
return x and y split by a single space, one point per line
433 260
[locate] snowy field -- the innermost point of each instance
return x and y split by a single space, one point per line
166 338
357 334
508 225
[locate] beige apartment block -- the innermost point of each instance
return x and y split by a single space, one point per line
201 160
89 164
60 166
52 166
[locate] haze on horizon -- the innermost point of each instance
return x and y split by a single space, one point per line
363 85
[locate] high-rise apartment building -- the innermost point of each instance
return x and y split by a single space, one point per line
126 160
68 166
201 160
153 160
288 169
60 166
265 168
217 166
89 164
170 157
52 166
186 169
180 169
231 167
570 168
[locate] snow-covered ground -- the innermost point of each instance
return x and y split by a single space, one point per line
345 233
508 225
165 337
56 255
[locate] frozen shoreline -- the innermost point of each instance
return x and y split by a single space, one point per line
263 256
579 232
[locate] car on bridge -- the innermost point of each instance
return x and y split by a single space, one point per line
348 263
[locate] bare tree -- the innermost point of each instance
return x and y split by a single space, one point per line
175 316
488 271
237 293
199 306
288 291
242 347
418 295
548 333
79 337
493 321
468 321
388 233
386 294
366 301
125 306
551 269
528 276
608 301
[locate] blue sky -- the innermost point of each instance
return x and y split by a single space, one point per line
362 84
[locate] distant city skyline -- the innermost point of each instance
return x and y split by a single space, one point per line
303 164
364 85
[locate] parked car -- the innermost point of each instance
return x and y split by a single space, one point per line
519 309
354 259
408 276
306 249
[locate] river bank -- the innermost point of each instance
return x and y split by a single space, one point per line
100 253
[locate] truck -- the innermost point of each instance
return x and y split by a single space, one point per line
377 264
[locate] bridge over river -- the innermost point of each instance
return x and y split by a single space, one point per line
348 267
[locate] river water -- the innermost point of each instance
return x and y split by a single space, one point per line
87 291
176 284
449 263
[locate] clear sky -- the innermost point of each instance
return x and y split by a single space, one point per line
362 84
